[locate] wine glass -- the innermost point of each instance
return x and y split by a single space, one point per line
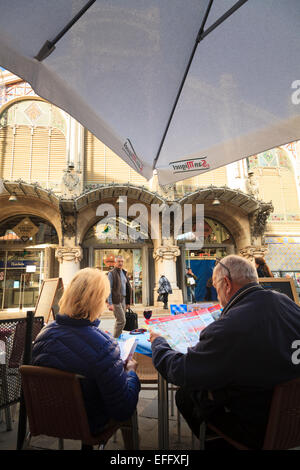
147 314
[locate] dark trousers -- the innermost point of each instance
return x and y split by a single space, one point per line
165 299
251 436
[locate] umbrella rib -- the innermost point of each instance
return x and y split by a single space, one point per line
201 35
49 46
183 80
222 18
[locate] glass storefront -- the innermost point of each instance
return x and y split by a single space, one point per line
105 240
22 260
21 276
217 243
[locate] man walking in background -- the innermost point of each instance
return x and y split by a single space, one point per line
120 294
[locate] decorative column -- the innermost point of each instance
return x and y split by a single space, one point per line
165 263
69 262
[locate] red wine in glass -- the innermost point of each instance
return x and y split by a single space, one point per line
147 314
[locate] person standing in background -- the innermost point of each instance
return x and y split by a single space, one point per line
262 268
191 283
164 289
120 295
209 285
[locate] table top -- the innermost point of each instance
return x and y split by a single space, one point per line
143 342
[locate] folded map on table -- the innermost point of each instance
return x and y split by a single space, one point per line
183 330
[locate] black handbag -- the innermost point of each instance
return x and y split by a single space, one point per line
160 298
131 320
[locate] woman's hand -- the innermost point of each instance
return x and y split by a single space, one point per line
131 364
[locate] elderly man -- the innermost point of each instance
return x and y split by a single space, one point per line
120 295
229 376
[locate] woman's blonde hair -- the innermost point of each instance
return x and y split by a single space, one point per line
86 295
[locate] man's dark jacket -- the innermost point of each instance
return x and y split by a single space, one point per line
241 356
116 294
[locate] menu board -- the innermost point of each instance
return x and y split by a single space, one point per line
183 330
284 285
50 289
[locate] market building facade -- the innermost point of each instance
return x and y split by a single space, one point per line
58 179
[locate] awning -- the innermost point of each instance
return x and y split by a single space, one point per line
181 87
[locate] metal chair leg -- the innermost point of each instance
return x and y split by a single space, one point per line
8 419
130 433
26 442
178 425
135 430
202 434
172 399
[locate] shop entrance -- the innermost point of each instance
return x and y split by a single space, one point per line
103 242
218 243
105 259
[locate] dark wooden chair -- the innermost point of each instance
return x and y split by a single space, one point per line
55 408
283 428
13 337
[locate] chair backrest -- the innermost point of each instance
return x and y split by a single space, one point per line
16 356
146 371
54 403
14 336
283 429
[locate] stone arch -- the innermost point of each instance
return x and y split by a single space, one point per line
234 211
19 99
39 204
87 204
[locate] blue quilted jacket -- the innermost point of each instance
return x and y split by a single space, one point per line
79 346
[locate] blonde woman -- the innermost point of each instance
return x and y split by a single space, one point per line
74 343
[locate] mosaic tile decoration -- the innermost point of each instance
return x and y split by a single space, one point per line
284 253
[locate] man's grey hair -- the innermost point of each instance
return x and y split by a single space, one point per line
119 257
242 271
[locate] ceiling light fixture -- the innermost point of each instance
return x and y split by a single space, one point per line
12 198
216 202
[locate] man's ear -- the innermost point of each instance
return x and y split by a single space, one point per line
228 284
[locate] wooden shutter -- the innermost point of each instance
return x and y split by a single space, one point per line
21 165
216 177
40 142
6 145
57 157
102 165
117 171
94 161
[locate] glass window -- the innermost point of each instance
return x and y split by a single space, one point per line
22 276
105 260
114 231
214 232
